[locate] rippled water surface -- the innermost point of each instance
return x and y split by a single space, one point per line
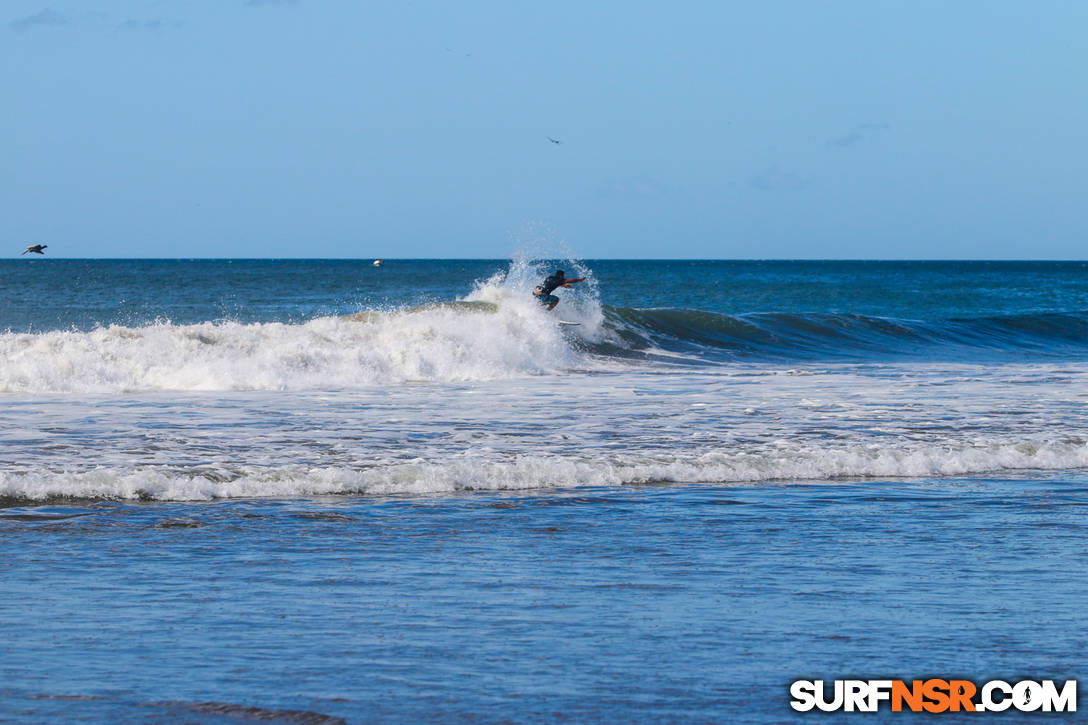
694 603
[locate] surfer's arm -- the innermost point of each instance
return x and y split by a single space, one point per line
569 282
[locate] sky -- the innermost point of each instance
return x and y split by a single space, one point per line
866 129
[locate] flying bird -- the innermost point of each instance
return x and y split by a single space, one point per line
36 248
552 139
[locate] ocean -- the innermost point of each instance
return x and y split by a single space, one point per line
319 491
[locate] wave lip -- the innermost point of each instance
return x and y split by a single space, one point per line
529 472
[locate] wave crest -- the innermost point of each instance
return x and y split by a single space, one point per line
529 472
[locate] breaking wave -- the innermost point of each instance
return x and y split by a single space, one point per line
531 471
496 332
441 343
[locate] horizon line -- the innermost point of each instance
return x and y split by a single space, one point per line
585 259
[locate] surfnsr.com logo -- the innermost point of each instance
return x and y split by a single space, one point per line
934 695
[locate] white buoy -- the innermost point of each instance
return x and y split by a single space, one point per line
378 262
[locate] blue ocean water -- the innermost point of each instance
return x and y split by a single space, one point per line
324 491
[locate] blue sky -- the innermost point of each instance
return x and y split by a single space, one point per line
337 128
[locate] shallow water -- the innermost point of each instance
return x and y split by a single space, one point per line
642 604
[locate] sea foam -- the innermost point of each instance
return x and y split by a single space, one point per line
426 344
533 471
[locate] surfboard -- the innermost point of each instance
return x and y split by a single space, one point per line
564 322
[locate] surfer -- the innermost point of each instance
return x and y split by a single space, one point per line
543 291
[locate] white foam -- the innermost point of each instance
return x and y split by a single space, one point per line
527 471
433 344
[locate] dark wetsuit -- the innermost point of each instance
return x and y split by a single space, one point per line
544 290
548 286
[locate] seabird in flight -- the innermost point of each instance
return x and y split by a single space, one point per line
552 139
36 248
